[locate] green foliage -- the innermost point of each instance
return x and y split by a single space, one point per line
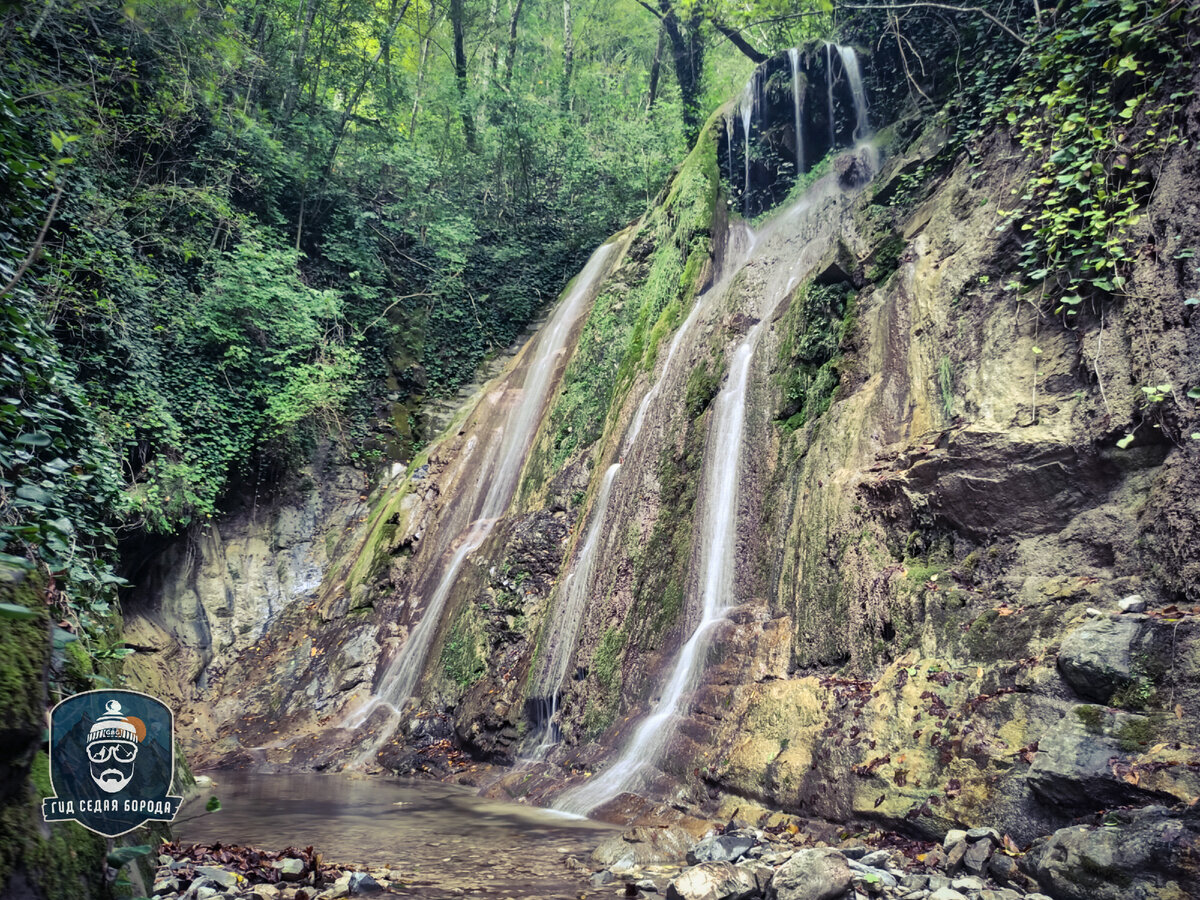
1101 99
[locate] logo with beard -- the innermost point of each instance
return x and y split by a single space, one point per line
112 761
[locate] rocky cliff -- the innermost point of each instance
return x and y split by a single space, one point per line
963 585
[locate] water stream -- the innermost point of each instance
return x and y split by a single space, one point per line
794 59
563 632
443 840
399 679
862 127
829 79
746 109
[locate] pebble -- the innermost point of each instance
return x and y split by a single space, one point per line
1132 604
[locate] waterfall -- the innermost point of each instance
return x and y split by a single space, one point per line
794 59
862 126
829 93
746 108
399 679
564 628
787 249
729 142
718 533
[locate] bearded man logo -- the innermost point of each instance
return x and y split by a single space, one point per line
112 761
112 747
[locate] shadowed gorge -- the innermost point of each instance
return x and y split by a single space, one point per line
769 475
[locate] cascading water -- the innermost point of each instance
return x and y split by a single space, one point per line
829 93
564 629
399 679
795 241
794 59
862 127
746 109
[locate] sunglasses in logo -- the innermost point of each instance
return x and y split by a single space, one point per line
121 752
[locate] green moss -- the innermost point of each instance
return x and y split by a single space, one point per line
816 323
1092 718
607 658
702 386
887 256
461 660
1136 735
626 325
62 860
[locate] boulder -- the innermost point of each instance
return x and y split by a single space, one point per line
643 845
1096 658
953 836
714 881
872 875
811 874
1073 768
976 859
720 848
1132 604
1148 852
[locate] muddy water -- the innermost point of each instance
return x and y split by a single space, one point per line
444 840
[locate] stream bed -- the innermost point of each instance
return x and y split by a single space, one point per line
445 840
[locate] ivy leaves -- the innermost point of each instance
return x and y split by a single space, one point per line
1092 110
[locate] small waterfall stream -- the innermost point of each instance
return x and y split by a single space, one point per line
399 679
564 629
746 110
854 75
829 80
797 103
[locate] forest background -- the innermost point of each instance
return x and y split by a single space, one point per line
234 233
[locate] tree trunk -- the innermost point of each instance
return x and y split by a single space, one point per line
512 44
735 38
460 72
308 12
564 93
348 111
656 69
687 53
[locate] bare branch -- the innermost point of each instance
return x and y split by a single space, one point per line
930 4
37 245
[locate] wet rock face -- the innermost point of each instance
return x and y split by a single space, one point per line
1096 659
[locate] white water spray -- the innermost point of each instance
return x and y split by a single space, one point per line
829 93
746 108
790 246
